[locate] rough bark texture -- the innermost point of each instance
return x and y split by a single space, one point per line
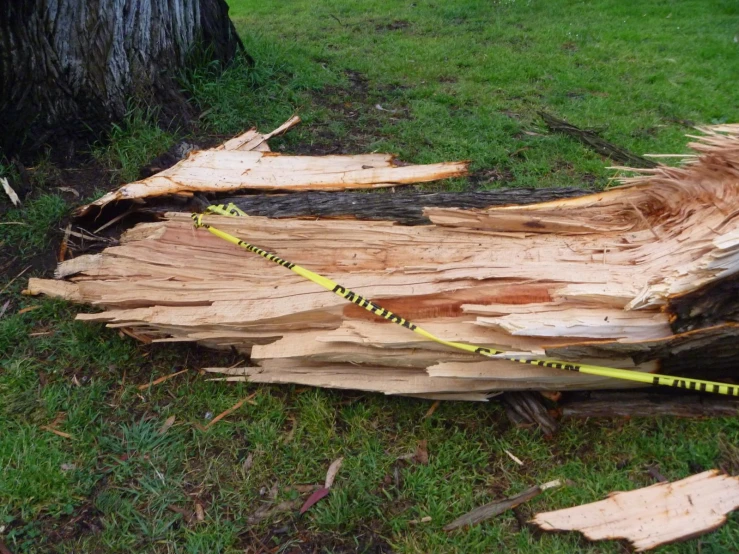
68 66
644 404
404 207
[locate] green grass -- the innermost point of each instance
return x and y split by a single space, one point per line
28 228
467 77
464 80
132 144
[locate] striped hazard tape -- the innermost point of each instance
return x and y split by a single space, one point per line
624 374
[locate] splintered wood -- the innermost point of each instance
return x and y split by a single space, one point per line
591 279
652 516
245 162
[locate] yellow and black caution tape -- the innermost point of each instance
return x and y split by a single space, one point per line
328 284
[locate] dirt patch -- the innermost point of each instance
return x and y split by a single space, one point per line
354 117
396 25
295 539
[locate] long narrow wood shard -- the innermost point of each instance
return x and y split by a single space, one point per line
245 163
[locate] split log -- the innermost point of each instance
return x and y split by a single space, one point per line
245 163
652 516
595 279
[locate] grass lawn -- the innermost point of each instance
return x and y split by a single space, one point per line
430 81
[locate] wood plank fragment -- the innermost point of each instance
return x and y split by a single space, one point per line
652 516
245 163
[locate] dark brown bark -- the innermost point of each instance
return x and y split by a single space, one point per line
404 207
647 404
596 143
69 67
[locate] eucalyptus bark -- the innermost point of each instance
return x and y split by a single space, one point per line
69 67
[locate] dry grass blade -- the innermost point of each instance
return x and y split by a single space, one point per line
232 409
161 380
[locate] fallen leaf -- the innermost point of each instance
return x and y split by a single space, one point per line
167 424
422 454
4 308
422 520
313 498
67 467
246 466
199 512
10 192
333 469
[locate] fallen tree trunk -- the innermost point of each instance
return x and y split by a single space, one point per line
596 279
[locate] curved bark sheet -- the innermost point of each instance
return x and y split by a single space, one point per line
245 163
590 278
652 516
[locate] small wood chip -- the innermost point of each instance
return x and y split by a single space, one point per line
514 458
199 512
28 309
10 192
425 519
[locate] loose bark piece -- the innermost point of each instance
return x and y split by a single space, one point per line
643 404
595 142
493 509
405 207
526 408
655 515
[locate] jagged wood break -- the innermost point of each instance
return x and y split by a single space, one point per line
595 279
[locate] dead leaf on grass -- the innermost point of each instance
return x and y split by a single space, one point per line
422 454
313 499
167 424
333 469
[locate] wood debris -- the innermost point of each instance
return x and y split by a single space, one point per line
10 192
655 515
493 509
640 277
246 163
